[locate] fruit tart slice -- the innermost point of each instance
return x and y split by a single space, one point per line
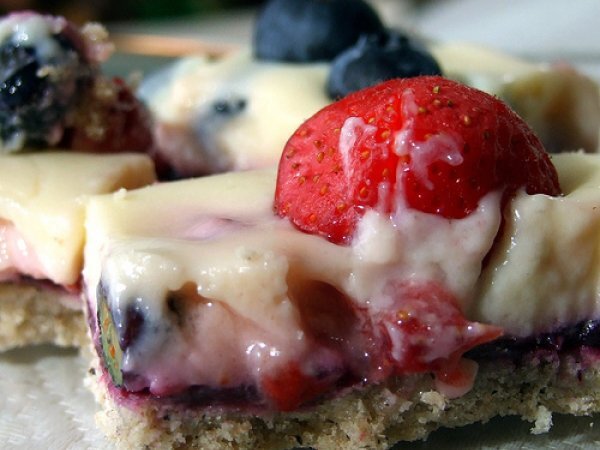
53 94
369 292
236 112
42 197
55 104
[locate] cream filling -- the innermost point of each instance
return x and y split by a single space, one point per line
16 255
544 272
42 206
243 323
183 97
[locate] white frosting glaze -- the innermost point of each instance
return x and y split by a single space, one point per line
16 255
544 273
183 96
42 200
445 147
560 104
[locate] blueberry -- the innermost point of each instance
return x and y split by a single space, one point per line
20 67
131 335
227 108
122 328
110 346
376 58
586 333
133 325
130 320
40 78
311 30
209 125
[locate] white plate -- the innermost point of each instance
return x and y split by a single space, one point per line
44 404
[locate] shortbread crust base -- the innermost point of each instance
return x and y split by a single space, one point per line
403 409
33 314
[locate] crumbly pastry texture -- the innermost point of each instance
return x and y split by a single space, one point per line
31 314
403 409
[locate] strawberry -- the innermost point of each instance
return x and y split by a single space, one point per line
422 330
426 330
290 388
426 143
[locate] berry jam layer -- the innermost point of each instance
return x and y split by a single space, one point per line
571 340
567 339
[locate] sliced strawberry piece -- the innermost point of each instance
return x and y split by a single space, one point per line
426 329
427 142
421 330
291 387
455 380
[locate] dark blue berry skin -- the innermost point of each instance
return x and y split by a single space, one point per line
586 334
127 331
311 30
20 65
376 58
209 125
37 89
228 107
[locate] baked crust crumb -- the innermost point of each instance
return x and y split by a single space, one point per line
31 314
402 409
